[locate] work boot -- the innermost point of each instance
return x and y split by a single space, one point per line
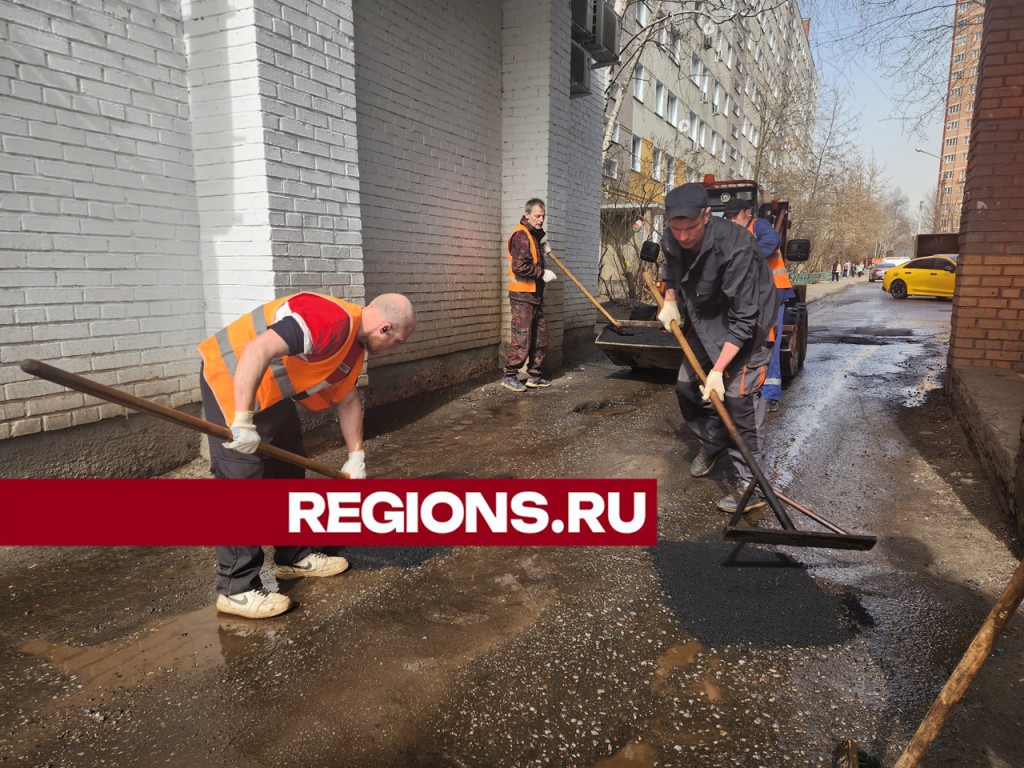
513 383
316 564
254 604
705 462
536 382
773 405
755 503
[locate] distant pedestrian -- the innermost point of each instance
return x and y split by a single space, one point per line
846 269
835 271
526 278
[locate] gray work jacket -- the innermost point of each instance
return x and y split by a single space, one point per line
726 290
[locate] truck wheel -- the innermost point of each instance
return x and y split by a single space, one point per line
898 289
790 363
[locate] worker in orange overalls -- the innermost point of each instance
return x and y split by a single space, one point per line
306 348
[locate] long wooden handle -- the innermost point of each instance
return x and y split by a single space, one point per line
973 658
586 293
102 391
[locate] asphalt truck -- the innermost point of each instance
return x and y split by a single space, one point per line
647 345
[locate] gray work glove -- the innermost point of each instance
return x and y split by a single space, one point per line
244 437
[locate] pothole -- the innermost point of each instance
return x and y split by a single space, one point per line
605 408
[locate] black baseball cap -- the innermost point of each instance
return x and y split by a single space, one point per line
736 205
687 201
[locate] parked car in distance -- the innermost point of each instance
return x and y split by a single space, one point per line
923 276
877 271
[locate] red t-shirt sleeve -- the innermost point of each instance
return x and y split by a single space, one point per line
325 325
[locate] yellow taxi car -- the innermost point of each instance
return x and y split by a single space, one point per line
923 276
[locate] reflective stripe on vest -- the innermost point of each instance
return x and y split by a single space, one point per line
776 263
309 382
516 283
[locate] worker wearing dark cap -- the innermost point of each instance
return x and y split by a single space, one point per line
719 289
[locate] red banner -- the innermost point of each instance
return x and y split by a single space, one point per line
598 512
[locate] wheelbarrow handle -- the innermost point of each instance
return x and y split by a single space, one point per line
112 395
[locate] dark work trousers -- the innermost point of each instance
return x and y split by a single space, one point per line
743 403
238 568
529 341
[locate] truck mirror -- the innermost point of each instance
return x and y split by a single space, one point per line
798 250
649 251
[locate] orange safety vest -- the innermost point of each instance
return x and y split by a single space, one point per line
516 283
290 376
776 263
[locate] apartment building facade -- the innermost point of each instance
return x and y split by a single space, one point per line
960 97
703 88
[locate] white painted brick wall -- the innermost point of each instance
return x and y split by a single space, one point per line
98 225
430 160
308 89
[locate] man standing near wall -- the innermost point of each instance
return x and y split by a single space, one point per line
526 278
305 348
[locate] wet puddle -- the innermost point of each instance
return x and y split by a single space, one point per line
605 408
193 641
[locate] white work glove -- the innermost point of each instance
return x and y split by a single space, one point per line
548 276
713 383
669 312
355 467
244 437
546 246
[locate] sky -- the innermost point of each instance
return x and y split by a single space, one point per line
869 94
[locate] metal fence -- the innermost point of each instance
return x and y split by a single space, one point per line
808 278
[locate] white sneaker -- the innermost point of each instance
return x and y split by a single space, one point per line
254 604
316 564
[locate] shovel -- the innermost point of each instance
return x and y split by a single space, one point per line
835 538
616 325
80 384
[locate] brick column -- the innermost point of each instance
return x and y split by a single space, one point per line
988 308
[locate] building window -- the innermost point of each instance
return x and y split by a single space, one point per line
656 165
638 146
951 142
956 92
953 125
695 67
957 74
693 127
960 58
670 173
954 108
643 15
948 158
672 114
659 98
639 83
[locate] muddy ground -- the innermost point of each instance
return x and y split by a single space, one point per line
684 654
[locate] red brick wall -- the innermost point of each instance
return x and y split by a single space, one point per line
988 308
